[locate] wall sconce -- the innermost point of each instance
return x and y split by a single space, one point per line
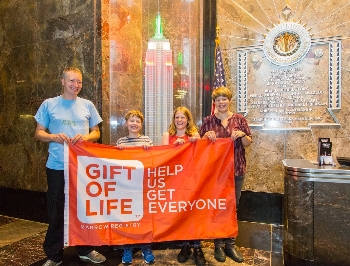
255 59
318 53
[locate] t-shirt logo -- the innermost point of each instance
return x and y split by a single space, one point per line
69 123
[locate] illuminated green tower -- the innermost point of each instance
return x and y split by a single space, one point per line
158 85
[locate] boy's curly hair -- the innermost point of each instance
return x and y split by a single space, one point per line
132 113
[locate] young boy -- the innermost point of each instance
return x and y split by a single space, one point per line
134 121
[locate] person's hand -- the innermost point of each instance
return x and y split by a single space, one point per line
193 138
237 134
76 138
60 138
210 135
179 141
146 146
120 147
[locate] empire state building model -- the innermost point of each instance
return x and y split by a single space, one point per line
158 85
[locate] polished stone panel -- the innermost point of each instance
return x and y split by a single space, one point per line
37 43
256 237
277 238
331 231
298 218
18 230
23 204
260 207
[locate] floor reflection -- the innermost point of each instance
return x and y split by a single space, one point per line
21 244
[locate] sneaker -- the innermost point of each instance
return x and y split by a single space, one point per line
127 255
94 257
198 255
148 256
184 254
52 263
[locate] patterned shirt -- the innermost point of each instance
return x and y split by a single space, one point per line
235 122
135 142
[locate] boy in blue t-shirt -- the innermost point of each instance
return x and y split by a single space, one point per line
134 121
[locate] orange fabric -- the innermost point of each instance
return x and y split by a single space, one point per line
166 193
174 138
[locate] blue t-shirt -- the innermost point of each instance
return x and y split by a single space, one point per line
71 117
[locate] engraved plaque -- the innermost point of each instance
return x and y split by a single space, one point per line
290 97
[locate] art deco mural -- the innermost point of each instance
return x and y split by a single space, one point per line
287 62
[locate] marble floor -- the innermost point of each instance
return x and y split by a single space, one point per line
21 244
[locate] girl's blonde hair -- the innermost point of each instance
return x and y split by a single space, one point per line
191 128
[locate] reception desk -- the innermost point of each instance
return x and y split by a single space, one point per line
316 214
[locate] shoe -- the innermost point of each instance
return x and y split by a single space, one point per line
234 254
127 255
220 255
52 263
148 256
198 255
184 254
94 257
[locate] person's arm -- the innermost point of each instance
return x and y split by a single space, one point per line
165 138
93 135
246 140
243 133
42 134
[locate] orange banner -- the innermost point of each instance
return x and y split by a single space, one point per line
165 193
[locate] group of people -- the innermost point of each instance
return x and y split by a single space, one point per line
68 118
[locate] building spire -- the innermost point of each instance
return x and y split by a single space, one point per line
159 30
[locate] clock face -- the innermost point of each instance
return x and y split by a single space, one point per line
287 44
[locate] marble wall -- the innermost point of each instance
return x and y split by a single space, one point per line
37 40
243 25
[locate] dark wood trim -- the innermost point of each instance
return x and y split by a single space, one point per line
209 35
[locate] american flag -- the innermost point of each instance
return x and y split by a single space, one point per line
220 80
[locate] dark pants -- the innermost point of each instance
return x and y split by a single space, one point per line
230 242
53 244
196 243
